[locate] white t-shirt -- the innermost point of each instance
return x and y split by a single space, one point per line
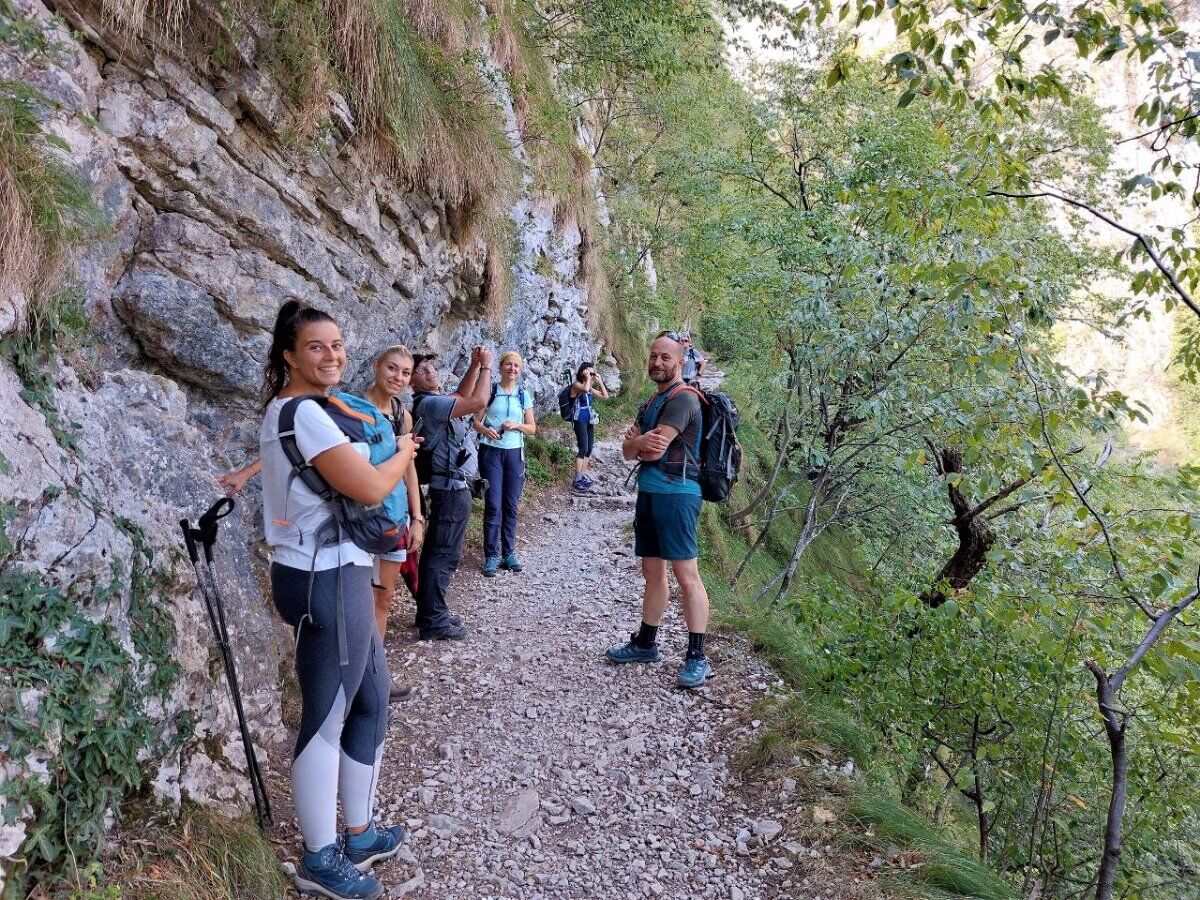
291 520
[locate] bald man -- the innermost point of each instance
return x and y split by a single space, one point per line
665 441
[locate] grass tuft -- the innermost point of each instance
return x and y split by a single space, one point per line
44 205
205 857
949 870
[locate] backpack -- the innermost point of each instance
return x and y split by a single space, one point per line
380 431
718 458
566 404
368 526
445 455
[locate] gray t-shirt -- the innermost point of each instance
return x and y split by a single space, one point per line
447 441
683 413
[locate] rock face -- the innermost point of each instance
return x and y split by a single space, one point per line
214 223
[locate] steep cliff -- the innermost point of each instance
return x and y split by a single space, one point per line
111 431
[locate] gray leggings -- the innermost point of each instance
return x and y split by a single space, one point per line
343 720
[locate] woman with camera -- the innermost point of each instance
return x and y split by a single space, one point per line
587 384
502 428
321 586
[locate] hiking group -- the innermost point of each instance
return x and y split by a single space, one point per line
345 516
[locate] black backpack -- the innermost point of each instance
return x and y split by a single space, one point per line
368 526
719 457
720 452
566 404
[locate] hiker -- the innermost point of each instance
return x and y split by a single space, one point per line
587 383
393 371
447 464
694 362
665 440
321 586
502 429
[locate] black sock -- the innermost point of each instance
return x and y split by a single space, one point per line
695 645
646 636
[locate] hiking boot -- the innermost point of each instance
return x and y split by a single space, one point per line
579 486
453 620
448 633
511 563
633 653
695 672
490 566
329 873
400 692
373 845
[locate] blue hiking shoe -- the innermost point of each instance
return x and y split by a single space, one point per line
695 672
373 845
329 873
491 565
633 653
511 563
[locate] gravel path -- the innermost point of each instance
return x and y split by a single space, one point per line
527 766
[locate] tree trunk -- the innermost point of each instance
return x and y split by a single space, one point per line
1114 730
975 537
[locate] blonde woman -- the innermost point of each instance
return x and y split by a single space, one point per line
503 427
393 372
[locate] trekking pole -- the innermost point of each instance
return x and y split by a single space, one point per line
205 534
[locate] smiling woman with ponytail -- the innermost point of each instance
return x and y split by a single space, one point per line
322 588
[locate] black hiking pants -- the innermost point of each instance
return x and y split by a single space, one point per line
448 515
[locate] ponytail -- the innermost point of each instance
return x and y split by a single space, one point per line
292 316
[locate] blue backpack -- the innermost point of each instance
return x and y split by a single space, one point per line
379 434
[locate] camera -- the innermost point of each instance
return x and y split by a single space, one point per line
478 487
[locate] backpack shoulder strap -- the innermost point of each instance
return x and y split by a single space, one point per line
671 395
301 468
492 395
347 409
398 417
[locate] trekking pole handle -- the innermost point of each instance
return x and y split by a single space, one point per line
206 530
189 539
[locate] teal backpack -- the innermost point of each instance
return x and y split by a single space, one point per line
380 438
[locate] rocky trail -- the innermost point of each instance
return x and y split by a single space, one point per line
525 765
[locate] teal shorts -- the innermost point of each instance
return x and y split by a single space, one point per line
664 525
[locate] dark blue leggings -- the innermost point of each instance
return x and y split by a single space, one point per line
505 474
585 438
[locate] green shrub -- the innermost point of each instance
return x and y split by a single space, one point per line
547 460
76 697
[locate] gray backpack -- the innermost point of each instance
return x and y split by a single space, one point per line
445 451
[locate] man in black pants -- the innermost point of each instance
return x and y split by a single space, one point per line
446 462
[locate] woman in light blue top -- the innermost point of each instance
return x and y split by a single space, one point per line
502 428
